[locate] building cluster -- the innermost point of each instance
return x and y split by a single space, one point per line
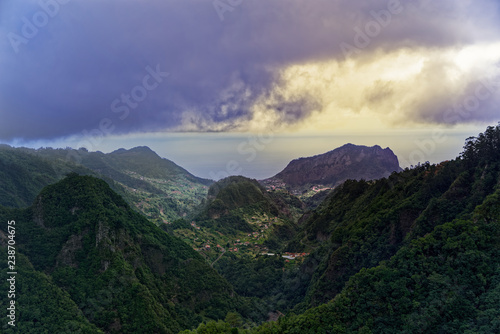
293 256
274 184
319 188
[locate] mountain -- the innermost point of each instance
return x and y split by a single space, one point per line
233 202
361 223
159 188
332 168
112 268
240 216
145 162
24 174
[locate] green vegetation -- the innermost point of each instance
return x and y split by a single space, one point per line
446 282
123 272
416 252
24 175
268 278
238 204
41 306
362 223
154 186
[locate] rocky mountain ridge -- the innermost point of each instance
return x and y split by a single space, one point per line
334 167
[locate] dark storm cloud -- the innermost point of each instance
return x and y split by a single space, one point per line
66 77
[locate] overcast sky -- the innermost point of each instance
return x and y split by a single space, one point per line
90 71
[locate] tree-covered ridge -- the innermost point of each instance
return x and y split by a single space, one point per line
24 175
159 188
125 274
445 282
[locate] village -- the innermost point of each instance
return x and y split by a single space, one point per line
249 242
213 244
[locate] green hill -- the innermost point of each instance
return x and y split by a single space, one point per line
234 205
237 192
124 273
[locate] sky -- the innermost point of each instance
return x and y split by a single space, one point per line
244 86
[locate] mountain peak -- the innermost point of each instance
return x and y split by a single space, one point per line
72 194
137 149
334 167
142 149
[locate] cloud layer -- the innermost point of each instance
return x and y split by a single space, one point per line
266 64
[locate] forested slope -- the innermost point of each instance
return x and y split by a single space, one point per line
416 252
125 274
362 223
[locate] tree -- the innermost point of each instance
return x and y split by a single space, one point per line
234 319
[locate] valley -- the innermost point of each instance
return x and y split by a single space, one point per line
191 254
211 243
250 167
176 192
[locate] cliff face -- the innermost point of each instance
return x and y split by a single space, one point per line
334 167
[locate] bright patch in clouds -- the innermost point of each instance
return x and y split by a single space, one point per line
388 90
